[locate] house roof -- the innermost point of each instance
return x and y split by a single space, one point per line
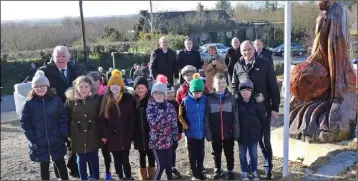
354 28
177 14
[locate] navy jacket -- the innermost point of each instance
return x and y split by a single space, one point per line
44 122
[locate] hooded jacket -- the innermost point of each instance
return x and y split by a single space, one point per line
221 118
83 121
141 132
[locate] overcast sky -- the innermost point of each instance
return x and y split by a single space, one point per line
21 10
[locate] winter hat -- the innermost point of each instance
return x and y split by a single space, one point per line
246 84
40 79
116 78
160 84
188 69
196 85
140 80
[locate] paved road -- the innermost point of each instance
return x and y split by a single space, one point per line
8 113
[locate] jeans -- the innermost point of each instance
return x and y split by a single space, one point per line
142 158
121 163
59 166
196 149
228 146
253 157
163 158
83 159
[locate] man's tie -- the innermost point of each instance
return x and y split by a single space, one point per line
63 73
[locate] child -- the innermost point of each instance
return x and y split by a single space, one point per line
192 112
82 106
43 120
222 125
141 133
96 76
163 128
171 99
97 80
213 64
117 123
252 113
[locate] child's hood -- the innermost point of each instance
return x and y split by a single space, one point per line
72 94
254 97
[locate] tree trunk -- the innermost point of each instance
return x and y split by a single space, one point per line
84 35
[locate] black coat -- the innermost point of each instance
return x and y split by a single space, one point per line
165 64
57 82
266 54
231 58
176 106
141 131
252 115
262 75
189 58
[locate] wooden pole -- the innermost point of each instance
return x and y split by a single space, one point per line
151 17
84 35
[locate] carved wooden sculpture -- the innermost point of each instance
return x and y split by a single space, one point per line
323 102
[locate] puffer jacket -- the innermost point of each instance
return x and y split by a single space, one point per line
118 129
221 118
183 92
163 128
193 116
252 116
43 120
83 122
141 132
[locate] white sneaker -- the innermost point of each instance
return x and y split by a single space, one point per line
255 176
244 176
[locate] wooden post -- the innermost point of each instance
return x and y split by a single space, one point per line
84 35
113 54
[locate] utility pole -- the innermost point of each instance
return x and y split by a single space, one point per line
151 17
83 35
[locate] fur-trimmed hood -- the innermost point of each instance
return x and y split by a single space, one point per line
72 94
254 97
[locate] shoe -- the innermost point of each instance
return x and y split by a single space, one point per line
131 178
202 176
255 176
108 176
90 177
244 176
142 174
230 176
151 173
176 173
268 174
218 174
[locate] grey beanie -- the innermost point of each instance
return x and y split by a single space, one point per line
40 79
188 69
159 87
246 84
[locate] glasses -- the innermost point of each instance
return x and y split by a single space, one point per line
188 74
40 87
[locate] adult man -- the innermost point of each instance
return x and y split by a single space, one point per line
233 55
32 72
109 73
261 73
133 69
61 74
261 51
163 61
188 57
103 75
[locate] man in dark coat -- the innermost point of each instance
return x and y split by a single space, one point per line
188 57
61 74
261 73
262 52
163 61
232 55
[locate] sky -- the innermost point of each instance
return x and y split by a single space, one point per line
26 10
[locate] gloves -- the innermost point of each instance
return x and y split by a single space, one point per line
179 136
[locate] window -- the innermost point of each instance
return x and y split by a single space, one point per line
219 46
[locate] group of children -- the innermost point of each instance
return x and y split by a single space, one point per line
107 118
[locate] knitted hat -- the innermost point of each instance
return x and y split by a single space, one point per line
188 69
140 80
116 78
160 85
40 79
246 84
196 85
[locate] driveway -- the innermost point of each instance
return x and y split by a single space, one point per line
8 113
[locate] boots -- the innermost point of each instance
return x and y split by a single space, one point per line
151 172
143 175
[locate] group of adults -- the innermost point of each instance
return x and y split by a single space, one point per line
245 60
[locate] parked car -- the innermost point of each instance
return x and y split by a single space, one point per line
296 49
204 54
222 49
